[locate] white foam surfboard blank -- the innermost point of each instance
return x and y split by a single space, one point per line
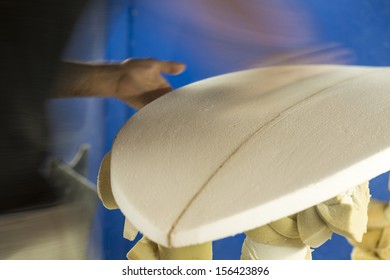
237 151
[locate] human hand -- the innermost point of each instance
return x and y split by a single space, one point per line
140 80
134 81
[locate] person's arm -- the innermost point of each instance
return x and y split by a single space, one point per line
135 81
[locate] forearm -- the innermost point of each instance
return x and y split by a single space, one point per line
77 79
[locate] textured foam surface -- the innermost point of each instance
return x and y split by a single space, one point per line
237 151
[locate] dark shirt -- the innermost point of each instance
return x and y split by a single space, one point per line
33 34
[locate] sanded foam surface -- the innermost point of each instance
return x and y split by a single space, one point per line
234 152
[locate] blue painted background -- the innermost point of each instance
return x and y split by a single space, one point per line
149 28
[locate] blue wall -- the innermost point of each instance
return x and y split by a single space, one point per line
172 30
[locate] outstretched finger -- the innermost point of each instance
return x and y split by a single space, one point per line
171 67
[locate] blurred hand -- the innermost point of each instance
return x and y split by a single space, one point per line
321 54
141 81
